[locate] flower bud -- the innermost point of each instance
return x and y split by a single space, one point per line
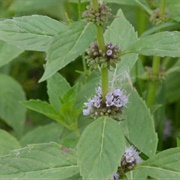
103 59
99 17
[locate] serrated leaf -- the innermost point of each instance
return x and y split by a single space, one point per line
122 33
100 149
42 107
45 161
139 121
30 32
11 111
8 53
43 134
164 165
7 142
57 86
159 44
67 46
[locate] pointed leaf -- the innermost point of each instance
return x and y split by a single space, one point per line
140 121
30 32
159 44
42 107
164 165
8 53
67 46
11 111
122 33
45 161
43 134
100 149
7 142
57 87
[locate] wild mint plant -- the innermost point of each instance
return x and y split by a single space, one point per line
108 123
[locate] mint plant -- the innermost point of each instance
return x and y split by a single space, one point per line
112 122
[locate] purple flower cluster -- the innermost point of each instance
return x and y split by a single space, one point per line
130 158
112 106
95 57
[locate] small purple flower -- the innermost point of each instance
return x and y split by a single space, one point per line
115 176
130 158
112 106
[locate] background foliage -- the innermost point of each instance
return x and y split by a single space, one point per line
42 46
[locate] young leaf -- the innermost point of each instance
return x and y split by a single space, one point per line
45 161
164 165
43 134
57 86
67 46
139 121
8 53
122 33
30 32
7 142
11 111
43 108
100 149
159 44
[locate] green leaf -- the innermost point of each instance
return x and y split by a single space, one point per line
136 175
45 161
164 165
11 111
178 142
7 142
139 121
122 33
173 9
43 134
67 46
100 149
42 107
30 32
31 5
173 87
8 53
159 44
57 87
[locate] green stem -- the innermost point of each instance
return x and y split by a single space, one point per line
154 84
79 9
95 4
100 38
104 81
101 43
162 7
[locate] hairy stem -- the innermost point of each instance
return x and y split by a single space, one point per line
162 7
101 43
